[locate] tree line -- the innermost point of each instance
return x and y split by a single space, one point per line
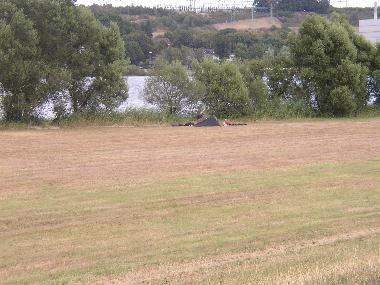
55 51
185 30
192 30
316 6
327 70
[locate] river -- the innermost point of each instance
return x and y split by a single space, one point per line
135 98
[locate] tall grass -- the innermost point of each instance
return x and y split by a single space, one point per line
132 117
144 117
280 111
298 110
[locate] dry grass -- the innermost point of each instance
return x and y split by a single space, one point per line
264 23
159 33
123 155
271 203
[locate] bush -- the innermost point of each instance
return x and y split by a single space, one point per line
333 65
224 93
341 102
133 70
170 89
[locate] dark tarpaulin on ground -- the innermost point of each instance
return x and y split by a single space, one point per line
209 122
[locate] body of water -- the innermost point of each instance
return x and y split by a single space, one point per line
135 98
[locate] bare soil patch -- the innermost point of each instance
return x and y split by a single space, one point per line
159 33
31 159
264 23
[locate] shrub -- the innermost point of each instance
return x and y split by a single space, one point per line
224 92
170 89
341 102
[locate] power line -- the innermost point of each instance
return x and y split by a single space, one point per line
343 1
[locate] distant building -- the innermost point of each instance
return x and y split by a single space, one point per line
210 53
232 57
370 28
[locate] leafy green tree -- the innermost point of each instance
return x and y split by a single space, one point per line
247 45
184 55
134 52
147 27
22 70
181 37
224 42
203 39
107 15
138 46
224 92
317 6
274 87
170 89
265 3
340 102
51 49
365 50
374 82
253 72
329 64
282 79
95 62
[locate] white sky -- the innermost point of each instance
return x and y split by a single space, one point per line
336 3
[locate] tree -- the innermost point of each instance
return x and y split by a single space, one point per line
181 37
317 6
253 73
274 88
340 102
51 49
184 55
134 52
170 89
106 15
265 3
95 63
374 82
282 79
224 93
224 42
22 71
138 46
329 65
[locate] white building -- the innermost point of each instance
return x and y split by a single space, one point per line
370 28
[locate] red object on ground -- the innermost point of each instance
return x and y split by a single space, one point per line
226 123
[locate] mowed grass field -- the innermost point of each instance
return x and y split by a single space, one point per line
268 203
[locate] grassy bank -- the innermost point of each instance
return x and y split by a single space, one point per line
132 117
144 117
301 225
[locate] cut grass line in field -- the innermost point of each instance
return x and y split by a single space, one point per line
241 227
170 271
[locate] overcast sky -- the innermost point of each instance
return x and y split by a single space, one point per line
337 3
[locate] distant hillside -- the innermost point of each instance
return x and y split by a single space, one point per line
353 15
150 33
264 23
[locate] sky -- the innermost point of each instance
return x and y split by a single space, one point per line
336 3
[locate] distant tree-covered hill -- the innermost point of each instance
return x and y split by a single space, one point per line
151 33
317 6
